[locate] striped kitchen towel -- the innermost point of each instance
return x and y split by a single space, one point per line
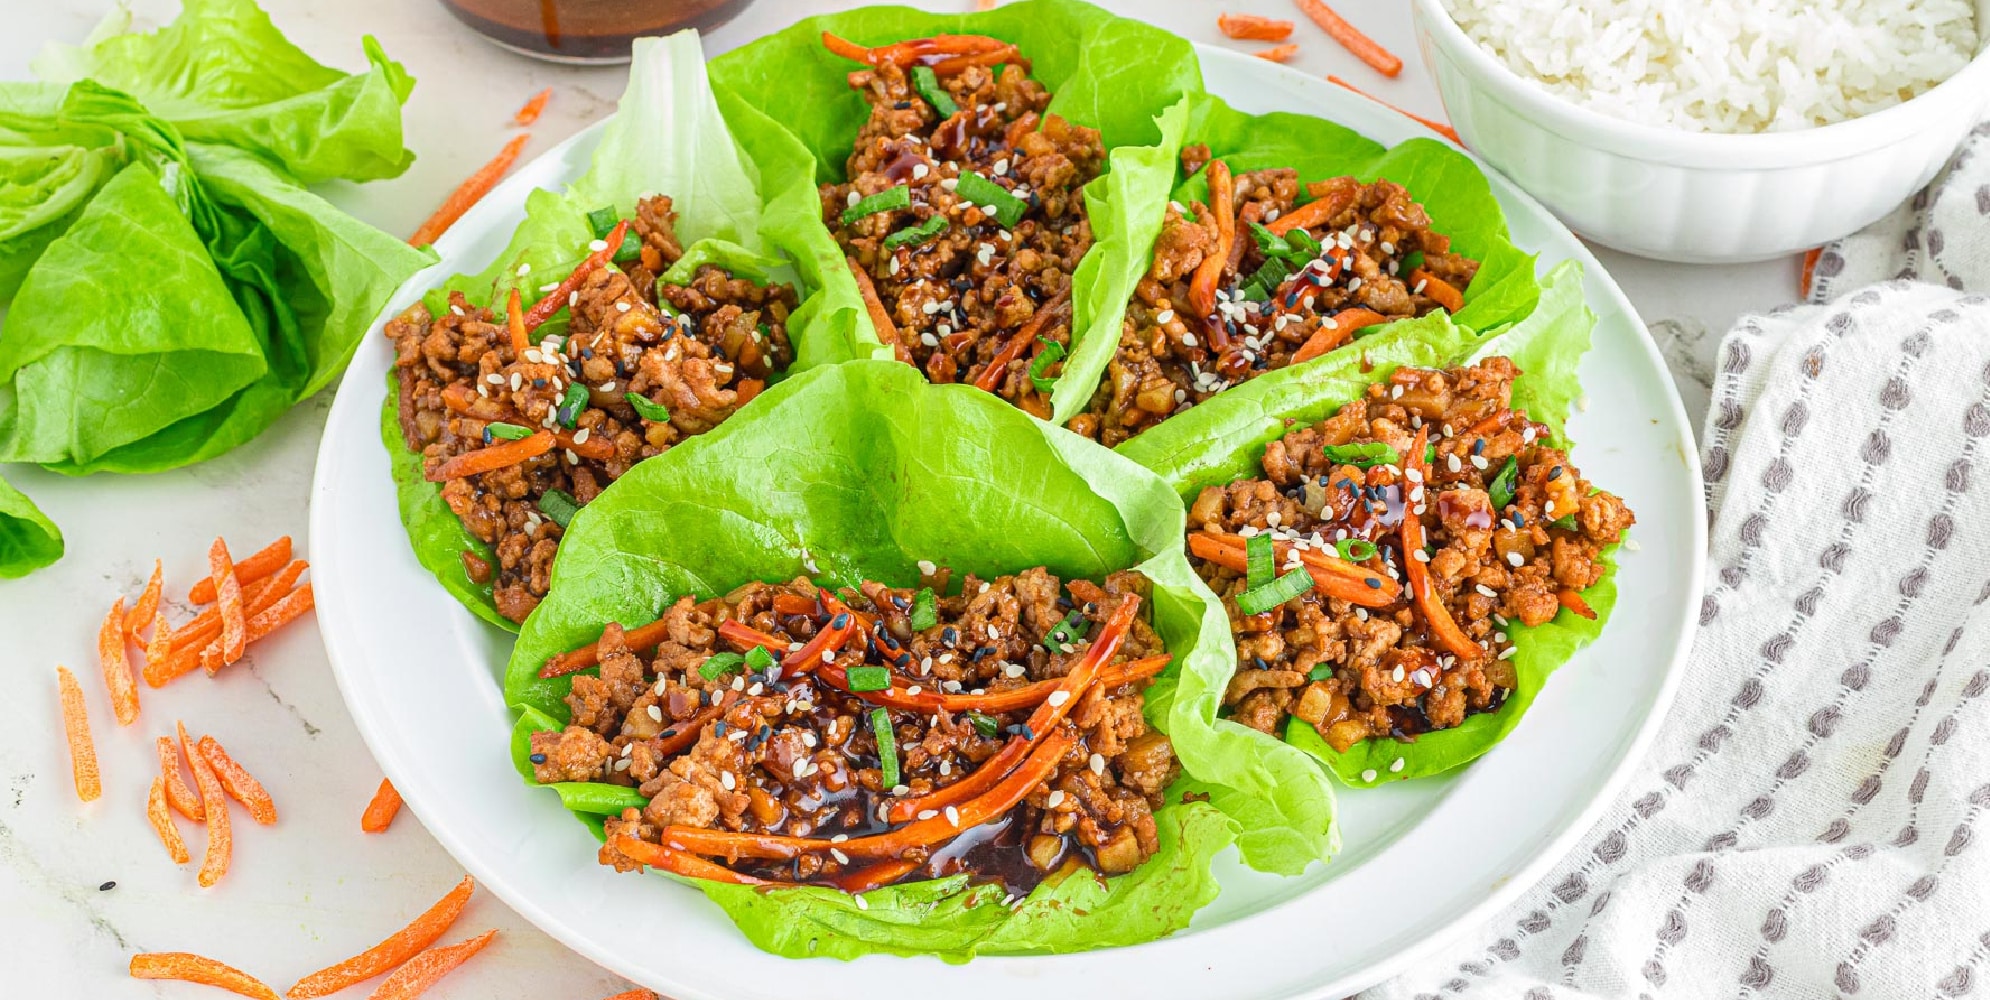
1814 819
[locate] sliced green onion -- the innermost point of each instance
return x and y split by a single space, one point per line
1362 455
720 664
1566 522
759 660
912 236
869 678
602 221
887 743
631 248
887 200
1258 600
1258 562
980 190
927 83
1070 631
1355 549
1266 279
925 609
1321 672
559 507
1052 353
509 432
1302 241
1429 454
1269 243
571 404
653 412
984 724
1501 489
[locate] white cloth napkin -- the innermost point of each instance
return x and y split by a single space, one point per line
1814 819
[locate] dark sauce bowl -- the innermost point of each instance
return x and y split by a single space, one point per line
587 32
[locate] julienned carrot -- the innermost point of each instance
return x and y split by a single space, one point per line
287 609
1336 331
191 968
228 599
159 648
514 324
1253 27
1438 290
1277 53
944 53
1040 765
267 560
1042 721
1574 602
470 191
191 640
640 993
236 781
76 727
532 109
1809 271
991 377
887 331
467 402
679 862
645 637
1202 285
419 973
1364 48
1318 212
1435 615
183 799
380 812
396 949
160 816
1435 126
220 835
558 298
497 456
142 613
1214 548
116 663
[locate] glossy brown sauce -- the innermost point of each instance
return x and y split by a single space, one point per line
587 30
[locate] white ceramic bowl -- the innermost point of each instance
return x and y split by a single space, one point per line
1691 196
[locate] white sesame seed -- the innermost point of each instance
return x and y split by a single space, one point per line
1014 670
494 378
1097 764
841 858
914 690
580 436
1396 765
517 380
607 387
572 459
1164 317
800 768
1056 799
828 656
993 632
1397 674
621 307
953 816
1516 559
1451 462
738 735
1487 591
794 647
929 340
1509 652
1499 637
861 905
1420 556
926 814
1368 775
655 714
1631 545
946 768
1058 698
726 779
1479 461
926 567
920 170
852 199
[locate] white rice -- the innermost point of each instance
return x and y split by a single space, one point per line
1728 65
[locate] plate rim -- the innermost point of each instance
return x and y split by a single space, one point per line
511 193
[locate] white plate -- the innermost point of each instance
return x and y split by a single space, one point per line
1424 860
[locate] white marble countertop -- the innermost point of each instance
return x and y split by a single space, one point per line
313 889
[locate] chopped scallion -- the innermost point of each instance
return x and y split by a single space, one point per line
509 432
925 610
1501 489
1362 455
888 200
1258 600
869 678
1070 631
759 660
1566 522
602 221
912 236
653 412
1052 353
887 746
571 404
720 664
984 724
631 248
559 507
1355 549
980 190
1259 565
927 83
1320 673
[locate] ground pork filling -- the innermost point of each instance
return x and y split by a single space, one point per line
781 748
695 364
1512 533
958 284
1367 246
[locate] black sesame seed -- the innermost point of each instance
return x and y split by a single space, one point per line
538 758
949 635
538 383
107 886
669 733
900 602
1064 603
901 105
840 620
982 652
1373 583
1479 447
718 729
1258 662
1554 473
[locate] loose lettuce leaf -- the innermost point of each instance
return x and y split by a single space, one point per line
28 539
858 471
1105 72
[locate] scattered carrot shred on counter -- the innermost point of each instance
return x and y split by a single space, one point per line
267 560
1435 126
396 949
220 836
419 973
76 727
1278 53
182 798
1809 271
237 782
381 811
470 191
228 599
1253 27
1363 47
533 108
286 609
635 994
160 815
147 607
117 666
192 968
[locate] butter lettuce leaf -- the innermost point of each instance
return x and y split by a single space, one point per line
28 539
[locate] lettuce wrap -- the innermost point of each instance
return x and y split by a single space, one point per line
1224 439
859 471
1119 76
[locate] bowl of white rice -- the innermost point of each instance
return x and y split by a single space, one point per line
1712 131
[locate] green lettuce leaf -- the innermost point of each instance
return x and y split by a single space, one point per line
858 471
436 533
1106 72
28 539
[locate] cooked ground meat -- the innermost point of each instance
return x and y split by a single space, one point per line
1172 355
1512 533
787 749
715 348
958 297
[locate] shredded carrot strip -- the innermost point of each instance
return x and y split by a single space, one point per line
635 994
116 662
398 947
228 598
497 456
1440 291
1364 48
1317 212
887 331
380 812
1809 271
468 403
272 557
1435 126
1574 602
147 608
76 728
1332 577
190 968
182 798
426 969
291 607
558 298
1435 615
846 48
187 644
514 323
793 604
1337 331
161 817
747 391
532 109
678 862
470 191
1007 700
991 377
1208 274
220 834
993 57
1278 53
1253 27
880 874
237 782
589 655
159 648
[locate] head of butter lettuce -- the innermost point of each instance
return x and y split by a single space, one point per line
1223 440
859 471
